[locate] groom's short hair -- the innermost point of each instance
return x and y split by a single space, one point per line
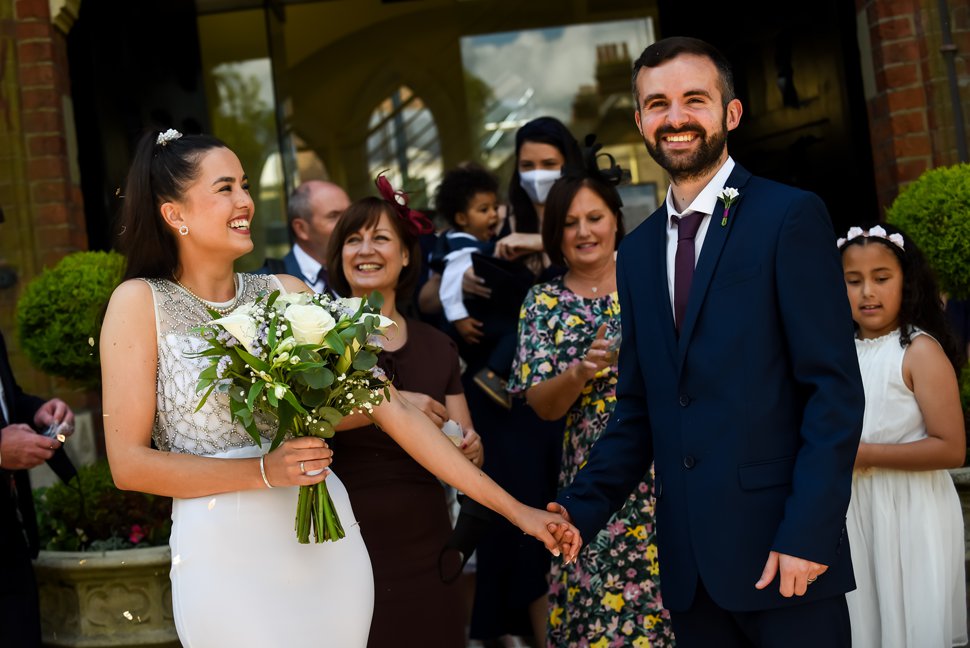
669 48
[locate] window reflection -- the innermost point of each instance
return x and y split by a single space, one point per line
402 141
579 74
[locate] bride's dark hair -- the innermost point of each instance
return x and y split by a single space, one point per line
159 173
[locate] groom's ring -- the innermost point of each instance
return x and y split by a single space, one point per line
812 579
302 469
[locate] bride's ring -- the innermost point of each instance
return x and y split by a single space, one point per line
302 469
812 579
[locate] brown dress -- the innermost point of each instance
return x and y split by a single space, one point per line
401 506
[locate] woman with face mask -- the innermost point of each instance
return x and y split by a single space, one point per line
542 147
523 450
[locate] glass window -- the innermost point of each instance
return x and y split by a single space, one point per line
403 141
579 74
239 85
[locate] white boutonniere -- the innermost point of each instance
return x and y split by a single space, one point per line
729 196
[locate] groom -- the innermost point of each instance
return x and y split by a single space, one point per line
738 378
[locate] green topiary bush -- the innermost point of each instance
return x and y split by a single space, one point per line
89 513
59 314
935 211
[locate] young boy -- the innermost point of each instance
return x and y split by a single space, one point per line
468 199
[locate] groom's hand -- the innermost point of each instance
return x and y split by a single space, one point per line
566 535
796 574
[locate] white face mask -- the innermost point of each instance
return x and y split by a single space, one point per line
538 182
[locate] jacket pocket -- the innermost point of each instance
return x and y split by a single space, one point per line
735 277
765 474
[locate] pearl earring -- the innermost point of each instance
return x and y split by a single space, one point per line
184 230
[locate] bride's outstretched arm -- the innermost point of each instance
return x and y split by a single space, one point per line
129 355
421 439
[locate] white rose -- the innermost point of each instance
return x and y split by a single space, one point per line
309 323
240 325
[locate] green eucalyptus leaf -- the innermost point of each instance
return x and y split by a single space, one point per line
319 379
330 414
364 360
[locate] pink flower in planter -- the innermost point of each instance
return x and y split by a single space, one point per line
136 535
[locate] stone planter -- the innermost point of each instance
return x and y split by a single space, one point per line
106 599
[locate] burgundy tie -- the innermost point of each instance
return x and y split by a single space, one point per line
687 226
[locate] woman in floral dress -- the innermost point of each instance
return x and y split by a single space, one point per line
566 365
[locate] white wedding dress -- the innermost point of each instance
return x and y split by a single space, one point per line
239 577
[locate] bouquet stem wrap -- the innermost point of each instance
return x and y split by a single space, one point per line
316 513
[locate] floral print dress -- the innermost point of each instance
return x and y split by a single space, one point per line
611 595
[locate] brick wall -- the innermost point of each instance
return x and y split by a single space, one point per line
39 181
910 113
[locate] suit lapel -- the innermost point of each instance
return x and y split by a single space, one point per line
707 262
657 270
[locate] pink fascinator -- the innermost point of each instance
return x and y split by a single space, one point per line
416 222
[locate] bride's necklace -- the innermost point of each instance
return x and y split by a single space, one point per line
222 310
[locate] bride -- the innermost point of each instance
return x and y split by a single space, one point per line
239 577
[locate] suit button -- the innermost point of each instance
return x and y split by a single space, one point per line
689 462
684 400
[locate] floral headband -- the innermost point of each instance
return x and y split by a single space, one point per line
168 136
876 231
416 222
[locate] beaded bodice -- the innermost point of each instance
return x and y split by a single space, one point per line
178 427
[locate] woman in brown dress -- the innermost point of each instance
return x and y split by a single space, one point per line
401 506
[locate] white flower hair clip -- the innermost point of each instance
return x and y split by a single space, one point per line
877 231
168 136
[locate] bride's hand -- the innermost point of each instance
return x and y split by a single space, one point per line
290 463
538 523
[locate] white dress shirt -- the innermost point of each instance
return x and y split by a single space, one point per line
705 203
310 269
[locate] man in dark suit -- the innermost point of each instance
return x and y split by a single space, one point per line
311 213
22 448
738 378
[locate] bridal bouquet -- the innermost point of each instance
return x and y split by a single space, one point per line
307 360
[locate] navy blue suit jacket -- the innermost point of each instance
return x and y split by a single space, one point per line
22 409
289 263
752 415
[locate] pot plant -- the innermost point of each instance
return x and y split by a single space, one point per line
934 211
59 314
59 322
103 576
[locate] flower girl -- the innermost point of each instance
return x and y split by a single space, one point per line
904 521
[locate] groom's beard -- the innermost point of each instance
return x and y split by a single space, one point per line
681 165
